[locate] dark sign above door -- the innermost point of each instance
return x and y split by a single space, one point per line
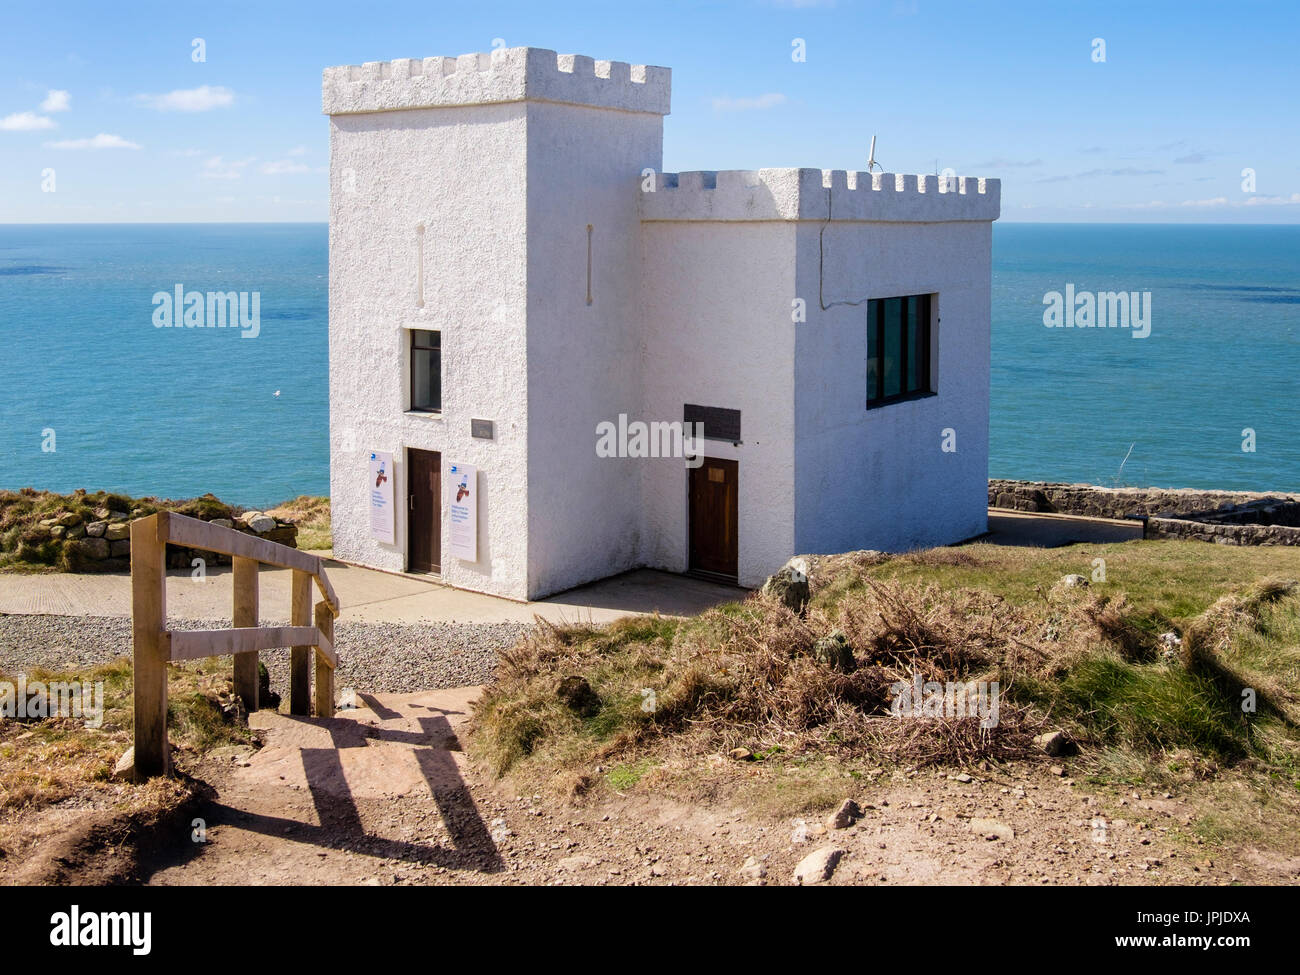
719 423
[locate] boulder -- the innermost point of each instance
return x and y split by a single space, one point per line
222 523
834 651
96 528
120 548
124 770
818 866
845 816
1053 742
1074 582
789 586
257 521
69 519
117 530
93 548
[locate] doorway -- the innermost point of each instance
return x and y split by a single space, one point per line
423 511
713 516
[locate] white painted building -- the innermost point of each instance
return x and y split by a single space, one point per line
510 269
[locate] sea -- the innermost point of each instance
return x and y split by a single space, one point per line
94 394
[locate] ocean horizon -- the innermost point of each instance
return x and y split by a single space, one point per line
242 411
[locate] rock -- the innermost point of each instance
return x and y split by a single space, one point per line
963 778
741 754
58 531
93 548
1074 582
124 770
120 548
1053 742
222 523
69 519
834 651
96 528
102 514
845 816
575 863
117 531
76 531
789 586
257 521
753 869
992 829
818 866
116 516
1058 770
578 696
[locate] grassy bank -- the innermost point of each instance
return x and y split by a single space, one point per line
36 527
667 697
57 789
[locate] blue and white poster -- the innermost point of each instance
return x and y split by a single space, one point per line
462 509
379 482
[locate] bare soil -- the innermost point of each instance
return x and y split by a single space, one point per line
384 795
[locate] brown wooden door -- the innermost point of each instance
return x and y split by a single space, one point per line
424 511
714 503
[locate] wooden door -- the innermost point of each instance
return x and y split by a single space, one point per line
424 511
714 504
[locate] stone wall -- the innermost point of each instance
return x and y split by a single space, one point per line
1222 517
104 544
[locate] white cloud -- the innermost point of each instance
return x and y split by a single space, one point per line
25 122
219 168
201 99
186 152
56 101
283 166
728 104
101 141
297 151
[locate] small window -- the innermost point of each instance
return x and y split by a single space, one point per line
898 349
426 371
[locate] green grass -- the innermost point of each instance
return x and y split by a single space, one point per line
1099 672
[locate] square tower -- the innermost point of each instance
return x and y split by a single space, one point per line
485 266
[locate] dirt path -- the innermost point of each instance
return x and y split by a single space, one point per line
383 795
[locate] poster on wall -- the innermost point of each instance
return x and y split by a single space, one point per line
380 486
462 507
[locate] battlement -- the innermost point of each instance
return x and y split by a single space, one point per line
504 75
820 194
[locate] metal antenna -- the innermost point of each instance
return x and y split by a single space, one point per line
871 156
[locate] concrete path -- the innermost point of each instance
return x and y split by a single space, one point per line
1041 530
367 596
370 596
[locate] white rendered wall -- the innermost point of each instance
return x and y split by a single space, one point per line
878 479
460 172
584 362
718 332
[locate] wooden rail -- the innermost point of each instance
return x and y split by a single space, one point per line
154 646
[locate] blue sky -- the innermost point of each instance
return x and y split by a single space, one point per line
109 97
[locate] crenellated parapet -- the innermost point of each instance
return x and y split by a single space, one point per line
820 194
503 75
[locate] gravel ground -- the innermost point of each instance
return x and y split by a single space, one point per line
373 657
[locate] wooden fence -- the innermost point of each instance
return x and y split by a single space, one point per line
155 646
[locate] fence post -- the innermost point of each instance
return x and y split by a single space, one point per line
245 614
324 672
300 657
149 649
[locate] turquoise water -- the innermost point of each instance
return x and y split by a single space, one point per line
174 412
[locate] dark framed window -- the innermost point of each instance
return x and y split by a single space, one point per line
898 349
426 371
